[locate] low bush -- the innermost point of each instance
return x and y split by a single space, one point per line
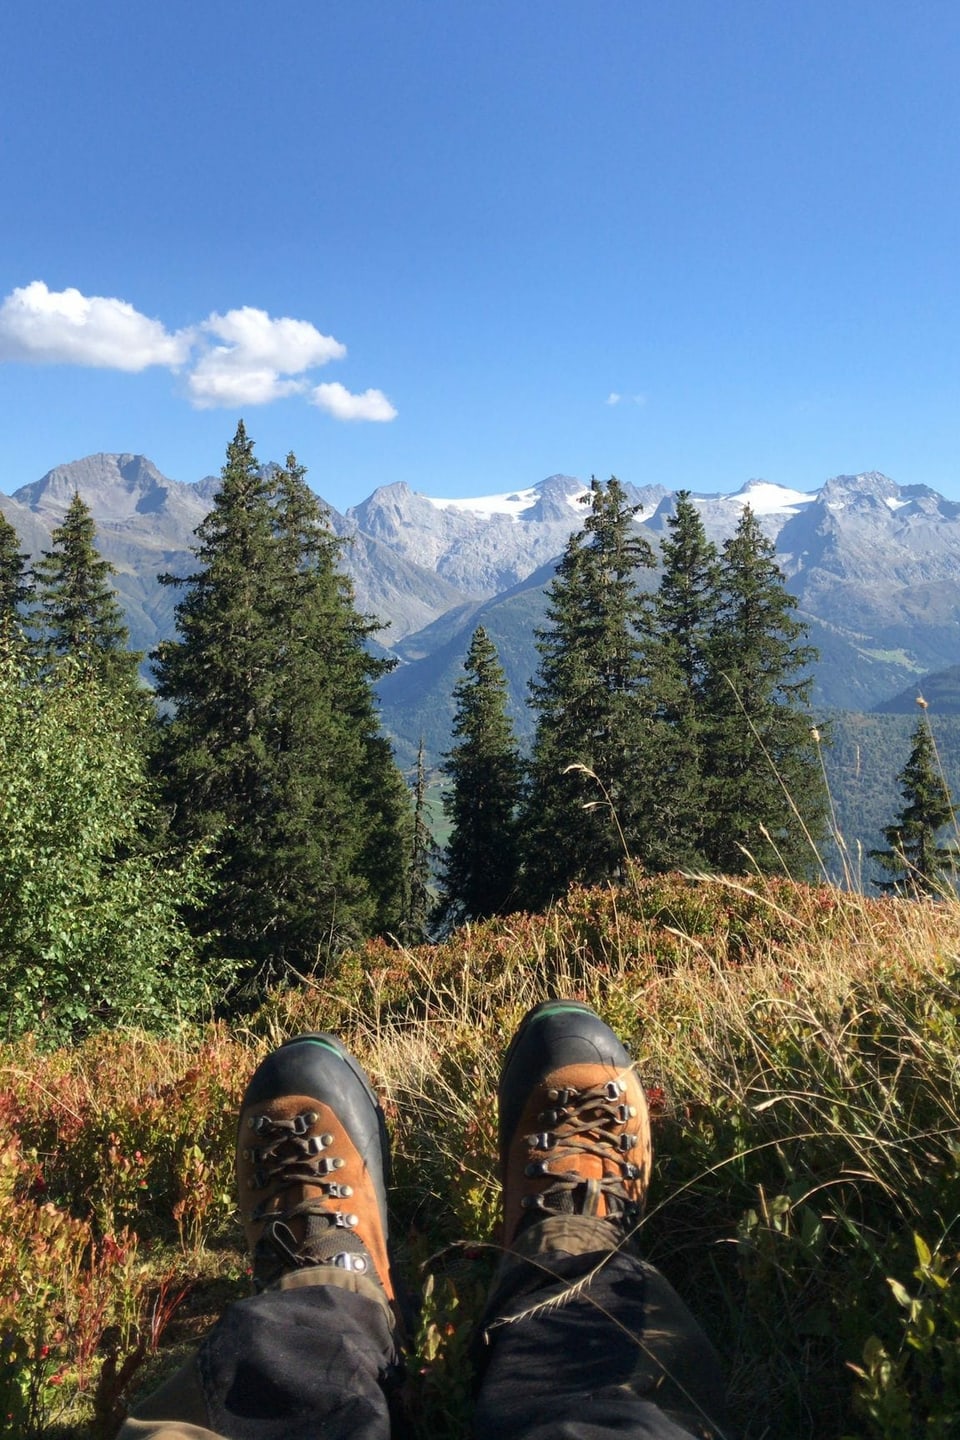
800 1048
91 927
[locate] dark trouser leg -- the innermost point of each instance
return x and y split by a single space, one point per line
304 1360
619 1355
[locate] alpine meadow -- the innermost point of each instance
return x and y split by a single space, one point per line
194 870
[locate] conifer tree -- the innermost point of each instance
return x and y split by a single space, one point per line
685 610
219 674
16 591
480 860
275 748
764 791
592 763
78 613
916 863
417 912
352 803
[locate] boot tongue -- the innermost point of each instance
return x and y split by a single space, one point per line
324 1239
592 1201
311 1239
586 1198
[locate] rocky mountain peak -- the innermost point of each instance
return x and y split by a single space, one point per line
481 545
126 494
871 485
114 486
556 499
387 508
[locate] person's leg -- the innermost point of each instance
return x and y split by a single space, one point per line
583 1340
315 1350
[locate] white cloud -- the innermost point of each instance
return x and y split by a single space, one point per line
219 380
614 398
287 345
63 327
258 360
244 357
337 401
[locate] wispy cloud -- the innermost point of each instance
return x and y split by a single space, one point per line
615 398
243 357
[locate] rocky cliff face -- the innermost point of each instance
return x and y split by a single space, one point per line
880 563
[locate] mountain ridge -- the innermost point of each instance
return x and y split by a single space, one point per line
875 565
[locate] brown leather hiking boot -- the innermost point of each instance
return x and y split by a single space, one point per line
312 1165
574 1125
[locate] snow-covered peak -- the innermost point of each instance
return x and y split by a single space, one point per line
765 498
516 504
513 503
773 505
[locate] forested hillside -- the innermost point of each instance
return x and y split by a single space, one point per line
669 725
862 757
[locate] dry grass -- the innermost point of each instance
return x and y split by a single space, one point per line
800 1046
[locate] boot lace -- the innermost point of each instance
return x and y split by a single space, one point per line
579 1123
286 1156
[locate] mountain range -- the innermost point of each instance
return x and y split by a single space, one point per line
875 567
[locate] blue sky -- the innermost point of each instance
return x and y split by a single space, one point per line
470 245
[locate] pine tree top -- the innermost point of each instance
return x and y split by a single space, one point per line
77 611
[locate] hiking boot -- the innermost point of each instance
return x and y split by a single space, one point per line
574 1126
313 1165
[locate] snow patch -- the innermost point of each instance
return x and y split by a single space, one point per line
575 501
765 498
893 504
514 503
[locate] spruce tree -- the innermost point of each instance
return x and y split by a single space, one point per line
914 860
685 610
416 922
765 802
592 765
16 591
77 612
213 758
348 809
274 749
480 861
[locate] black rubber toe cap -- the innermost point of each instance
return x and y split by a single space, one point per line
320 1067
554 1034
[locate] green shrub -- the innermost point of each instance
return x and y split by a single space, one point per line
90 902
914 1393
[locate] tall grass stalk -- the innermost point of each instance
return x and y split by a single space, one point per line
801 1050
